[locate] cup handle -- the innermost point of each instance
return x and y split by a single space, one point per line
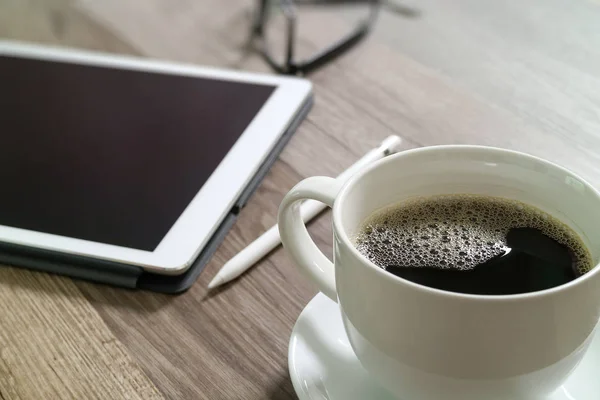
295 238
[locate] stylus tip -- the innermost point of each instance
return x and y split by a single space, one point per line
217 281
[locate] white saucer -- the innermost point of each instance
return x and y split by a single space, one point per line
324 367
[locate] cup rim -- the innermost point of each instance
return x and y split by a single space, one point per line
343 237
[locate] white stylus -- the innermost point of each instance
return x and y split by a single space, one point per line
308 209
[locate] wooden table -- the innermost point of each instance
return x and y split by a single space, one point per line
507 73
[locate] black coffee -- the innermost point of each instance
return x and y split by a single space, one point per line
474 244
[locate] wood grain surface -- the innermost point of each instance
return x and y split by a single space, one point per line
508 74
53 344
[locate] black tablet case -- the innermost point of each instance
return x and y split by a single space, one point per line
131 276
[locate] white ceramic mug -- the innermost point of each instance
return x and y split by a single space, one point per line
423 343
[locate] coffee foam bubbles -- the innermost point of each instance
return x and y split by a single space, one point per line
456 231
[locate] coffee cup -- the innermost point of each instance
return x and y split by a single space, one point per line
425 343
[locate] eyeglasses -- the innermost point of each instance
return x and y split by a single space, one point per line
289 65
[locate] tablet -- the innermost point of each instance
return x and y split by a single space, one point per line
131 161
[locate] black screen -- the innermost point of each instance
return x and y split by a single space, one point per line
110 155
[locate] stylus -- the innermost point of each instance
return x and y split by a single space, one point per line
309 209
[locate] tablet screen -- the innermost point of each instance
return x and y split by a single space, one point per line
111 155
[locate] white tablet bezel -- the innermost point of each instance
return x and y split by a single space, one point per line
213 202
